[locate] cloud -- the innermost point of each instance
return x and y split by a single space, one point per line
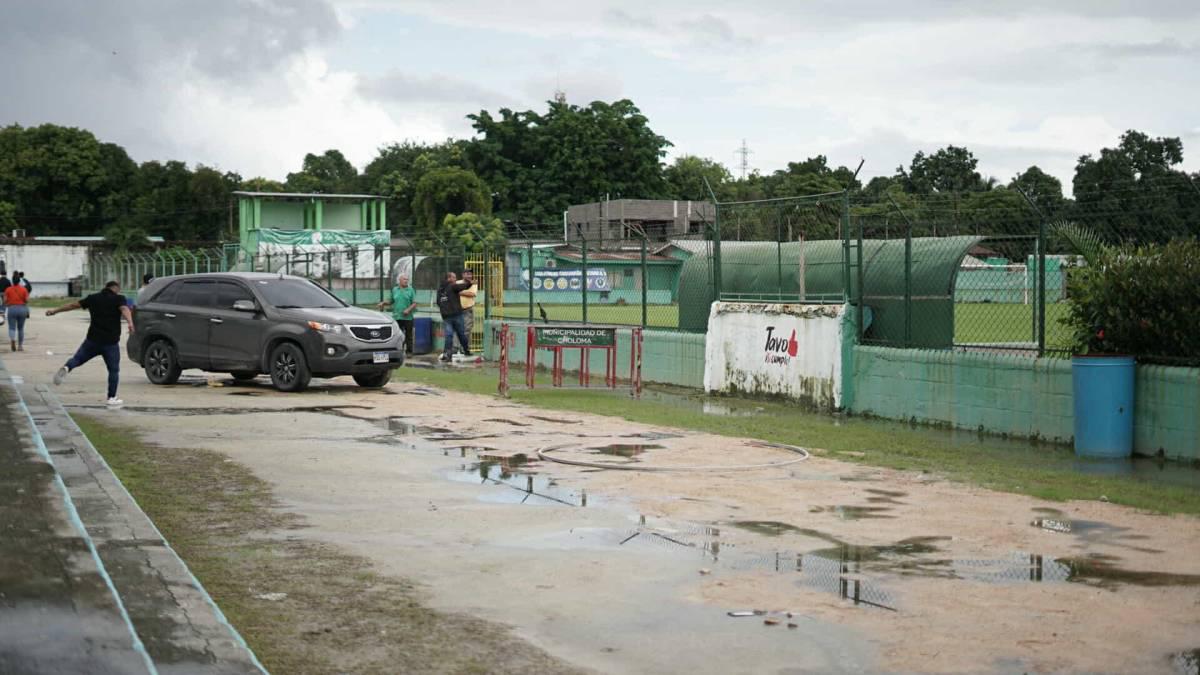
400 86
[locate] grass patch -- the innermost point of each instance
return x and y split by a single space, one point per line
338 616
1008 323
1040 470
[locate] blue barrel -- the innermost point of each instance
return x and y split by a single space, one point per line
1103 405
422 335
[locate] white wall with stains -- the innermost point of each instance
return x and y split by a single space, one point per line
791 350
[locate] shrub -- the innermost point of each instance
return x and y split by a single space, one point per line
1143 301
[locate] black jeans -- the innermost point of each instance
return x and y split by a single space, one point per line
406 327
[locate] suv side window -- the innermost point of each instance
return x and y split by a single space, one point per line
196 294
229 292
168 294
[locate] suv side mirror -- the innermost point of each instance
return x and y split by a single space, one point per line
244 306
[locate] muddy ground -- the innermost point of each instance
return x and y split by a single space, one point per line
637 571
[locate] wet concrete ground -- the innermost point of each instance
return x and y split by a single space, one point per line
638 573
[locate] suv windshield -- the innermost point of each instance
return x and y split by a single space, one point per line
294 294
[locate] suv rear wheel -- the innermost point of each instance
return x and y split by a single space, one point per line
373 380
289 370
162 364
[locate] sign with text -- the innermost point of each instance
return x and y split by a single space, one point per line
789 350
571 336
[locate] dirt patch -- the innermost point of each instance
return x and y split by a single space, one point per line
303 606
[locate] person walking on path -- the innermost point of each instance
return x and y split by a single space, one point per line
107 308
467 300
16 300
404 307
451 311
4 284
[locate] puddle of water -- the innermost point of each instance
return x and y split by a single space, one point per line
653 435
521 487
623 449
854 512
504 421
555 420
1186 663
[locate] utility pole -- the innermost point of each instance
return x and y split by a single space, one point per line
745 152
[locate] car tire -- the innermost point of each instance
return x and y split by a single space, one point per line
162 363
373 380
289 369
244 375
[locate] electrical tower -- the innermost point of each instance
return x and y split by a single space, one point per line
745 153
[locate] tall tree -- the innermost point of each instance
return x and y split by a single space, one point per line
538 164
1045 190
951 169
328 173
398 167
686 178
449 191
1134 192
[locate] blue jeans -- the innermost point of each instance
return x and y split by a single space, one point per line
112 360
16 323
451 326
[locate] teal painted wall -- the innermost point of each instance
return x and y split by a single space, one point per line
668 357
282 215
341 216
1018 396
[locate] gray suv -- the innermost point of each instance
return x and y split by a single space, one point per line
247 323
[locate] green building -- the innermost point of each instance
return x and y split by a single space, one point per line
613 276
283 219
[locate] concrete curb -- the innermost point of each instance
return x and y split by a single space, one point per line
183 629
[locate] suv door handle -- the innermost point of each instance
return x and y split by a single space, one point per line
169 315
215 320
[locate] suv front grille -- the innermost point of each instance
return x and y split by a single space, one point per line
381 333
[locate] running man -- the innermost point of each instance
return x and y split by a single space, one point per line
107 308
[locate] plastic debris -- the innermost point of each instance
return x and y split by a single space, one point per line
705 570
741 613
272 597
771 621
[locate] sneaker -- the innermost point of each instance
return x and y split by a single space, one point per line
444 357
114 402
61 374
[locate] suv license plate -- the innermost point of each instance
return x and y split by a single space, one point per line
380 357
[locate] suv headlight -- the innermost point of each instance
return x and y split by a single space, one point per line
335 328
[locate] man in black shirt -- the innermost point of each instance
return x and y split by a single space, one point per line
450 307
103 337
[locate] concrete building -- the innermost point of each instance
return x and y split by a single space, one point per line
52 263
624 219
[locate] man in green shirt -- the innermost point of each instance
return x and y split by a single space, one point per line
404 307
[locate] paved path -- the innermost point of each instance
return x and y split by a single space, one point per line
87 584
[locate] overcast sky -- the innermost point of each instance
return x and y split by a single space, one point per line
252 85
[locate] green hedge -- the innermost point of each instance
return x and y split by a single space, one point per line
1143 301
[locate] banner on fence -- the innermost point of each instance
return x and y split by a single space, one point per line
350 253
790 350
565 280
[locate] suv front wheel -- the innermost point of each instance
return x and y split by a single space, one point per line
373 380
289 369
161 363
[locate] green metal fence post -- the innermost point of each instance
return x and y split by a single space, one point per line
908 286
529 271
583 242
846 263
382 273
645 282
354 275
1041 282
861 293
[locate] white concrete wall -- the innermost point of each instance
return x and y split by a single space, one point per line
48 266
765 348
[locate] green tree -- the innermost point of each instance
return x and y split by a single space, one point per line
398 167
538 164
8 216
62 180
951 169
686 177
446 191
471 232
327 173
1045 190
1134 192
260 184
